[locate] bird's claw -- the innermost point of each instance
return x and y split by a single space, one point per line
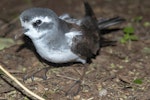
40 74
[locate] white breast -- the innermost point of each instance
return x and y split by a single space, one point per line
62 55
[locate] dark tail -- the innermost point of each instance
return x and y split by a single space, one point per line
102 24
88 10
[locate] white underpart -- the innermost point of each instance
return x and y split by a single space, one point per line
60 55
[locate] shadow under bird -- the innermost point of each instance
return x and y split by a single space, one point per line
64 39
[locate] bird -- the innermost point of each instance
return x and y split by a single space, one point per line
63 39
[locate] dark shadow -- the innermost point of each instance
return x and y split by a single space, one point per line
107 42
109 31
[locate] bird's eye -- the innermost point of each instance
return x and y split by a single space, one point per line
37 23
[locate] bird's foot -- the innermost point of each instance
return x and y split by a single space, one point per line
38 73
75 88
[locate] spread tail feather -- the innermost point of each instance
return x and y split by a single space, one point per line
101 23
109 22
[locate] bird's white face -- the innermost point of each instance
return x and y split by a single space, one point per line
37 27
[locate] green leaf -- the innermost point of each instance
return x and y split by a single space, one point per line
147 24
138 19
133 38
6 43
123 40
138 81
128 30
146 50
128 35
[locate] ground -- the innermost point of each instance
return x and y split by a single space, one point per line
119 72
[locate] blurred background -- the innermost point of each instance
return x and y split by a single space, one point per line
103 8
120 72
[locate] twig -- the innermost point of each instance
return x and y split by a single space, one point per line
66 77
20 84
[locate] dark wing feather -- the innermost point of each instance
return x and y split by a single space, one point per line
87 44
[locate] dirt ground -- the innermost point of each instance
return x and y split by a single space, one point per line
120 72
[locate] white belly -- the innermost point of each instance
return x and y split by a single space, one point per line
57 56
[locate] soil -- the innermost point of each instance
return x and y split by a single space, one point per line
120 72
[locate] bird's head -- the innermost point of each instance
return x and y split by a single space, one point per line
37 22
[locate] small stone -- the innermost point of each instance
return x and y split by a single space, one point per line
103 92
77 97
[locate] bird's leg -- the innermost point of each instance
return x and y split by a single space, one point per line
38 73
76 86
41 73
